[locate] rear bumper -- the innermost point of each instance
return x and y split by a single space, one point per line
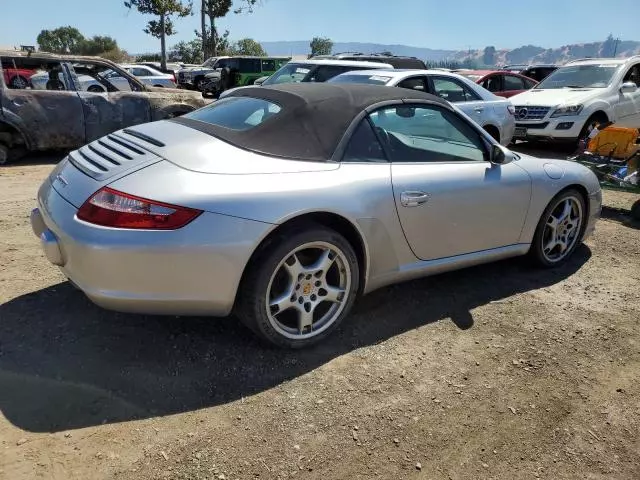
192 271
595 210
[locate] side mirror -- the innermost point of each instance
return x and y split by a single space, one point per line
628 87
500 155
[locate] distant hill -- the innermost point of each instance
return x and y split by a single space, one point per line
302 48
484 57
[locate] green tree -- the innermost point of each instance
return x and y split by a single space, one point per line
187 52
61 40
214 9
116 55
148 57
97 45
321 46
248 46
163 26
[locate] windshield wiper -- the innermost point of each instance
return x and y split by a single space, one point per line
574 86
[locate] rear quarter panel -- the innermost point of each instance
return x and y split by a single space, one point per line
360 193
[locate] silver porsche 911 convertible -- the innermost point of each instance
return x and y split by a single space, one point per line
282 204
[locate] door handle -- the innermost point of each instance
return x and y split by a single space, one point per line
413 199
479 109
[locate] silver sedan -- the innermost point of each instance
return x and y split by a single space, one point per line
284 203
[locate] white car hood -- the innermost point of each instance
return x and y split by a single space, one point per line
556 97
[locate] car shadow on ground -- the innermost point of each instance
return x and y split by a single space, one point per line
620 215
545 150
37 158
66 364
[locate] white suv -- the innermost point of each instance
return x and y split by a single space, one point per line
578 94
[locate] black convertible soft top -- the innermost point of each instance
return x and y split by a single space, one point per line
313 117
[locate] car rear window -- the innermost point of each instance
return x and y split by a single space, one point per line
236 113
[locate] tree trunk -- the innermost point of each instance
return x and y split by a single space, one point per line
214 36
163 44
203 29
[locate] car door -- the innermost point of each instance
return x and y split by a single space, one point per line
493 83
513 85
50 115
628 104
449 198
454 91
106 112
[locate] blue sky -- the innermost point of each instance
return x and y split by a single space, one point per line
423 23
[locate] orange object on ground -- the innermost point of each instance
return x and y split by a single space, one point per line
617 142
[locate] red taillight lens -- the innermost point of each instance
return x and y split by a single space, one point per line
512 109
111 208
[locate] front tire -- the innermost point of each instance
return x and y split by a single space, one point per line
299 288
4 154
560 229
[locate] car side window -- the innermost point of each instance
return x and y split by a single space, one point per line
492 84
414 83
21 73
268 65
326 72
511 82
140 72
427 133
529 83
249 65
453 91
97 77
364 146
633 75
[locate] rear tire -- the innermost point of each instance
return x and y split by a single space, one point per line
4 154
559 230
597 117
635 210
300 287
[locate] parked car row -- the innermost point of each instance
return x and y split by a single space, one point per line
73 100
562 106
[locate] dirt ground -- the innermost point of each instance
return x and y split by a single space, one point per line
496 372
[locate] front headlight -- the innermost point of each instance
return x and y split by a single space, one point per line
567 111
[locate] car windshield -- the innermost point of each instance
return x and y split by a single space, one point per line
369 79
580 76
290 73
210 62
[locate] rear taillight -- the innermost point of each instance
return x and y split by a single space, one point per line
512 109
111 208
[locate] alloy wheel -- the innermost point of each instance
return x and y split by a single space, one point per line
562 229
308 290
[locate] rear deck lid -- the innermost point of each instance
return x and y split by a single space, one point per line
97 164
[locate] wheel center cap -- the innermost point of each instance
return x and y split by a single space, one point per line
306 289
